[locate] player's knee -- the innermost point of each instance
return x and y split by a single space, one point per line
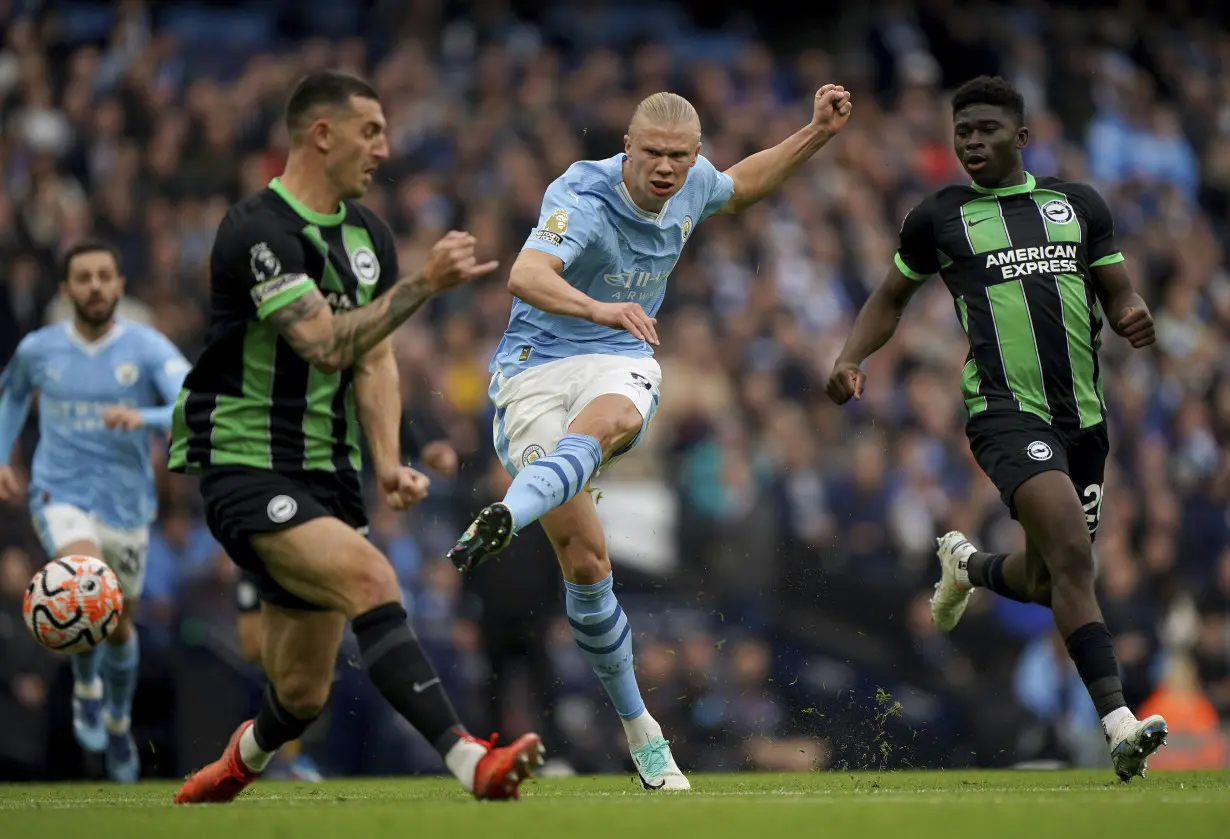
612 428
124 630
583 561
1070 560
303 693
372 584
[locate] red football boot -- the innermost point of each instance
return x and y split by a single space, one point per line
221 781
501 771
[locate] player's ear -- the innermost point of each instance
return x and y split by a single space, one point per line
627 144
320 134
1022 137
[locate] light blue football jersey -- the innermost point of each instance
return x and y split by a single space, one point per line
612 250
78 461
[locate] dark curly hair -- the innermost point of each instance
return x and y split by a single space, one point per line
990 90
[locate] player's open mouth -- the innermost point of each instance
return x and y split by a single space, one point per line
975 161
661 187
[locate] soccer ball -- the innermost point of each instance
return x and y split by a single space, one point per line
73 604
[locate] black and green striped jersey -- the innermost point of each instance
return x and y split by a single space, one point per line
250 400
1018 262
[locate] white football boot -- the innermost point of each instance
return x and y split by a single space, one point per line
1134 743
953 591
657 768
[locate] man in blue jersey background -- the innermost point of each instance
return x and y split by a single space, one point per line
574 381
104 387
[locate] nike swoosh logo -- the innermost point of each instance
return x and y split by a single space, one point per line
981 220
648 785
419 687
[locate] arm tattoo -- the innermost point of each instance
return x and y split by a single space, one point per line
348 336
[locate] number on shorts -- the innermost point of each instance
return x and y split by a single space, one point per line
1093 506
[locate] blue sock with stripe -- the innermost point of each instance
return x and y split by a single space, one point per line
550 481
85 670
601 630
120 665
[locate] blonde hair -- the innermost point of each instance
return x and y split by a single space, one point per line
665 110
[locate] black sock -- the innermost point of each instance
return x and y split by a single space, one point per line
1093 653
275 726
987 571
399 668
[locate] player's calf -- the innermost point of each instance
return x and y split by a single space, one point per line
602 632
88 690
1054 521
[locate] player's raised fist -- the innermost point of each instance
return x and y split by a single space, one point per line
629 317
404 487
832 108
1136 324
452 262
846 380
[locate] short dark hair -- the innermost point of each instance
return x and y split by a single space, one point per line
331 88
89 246
990 90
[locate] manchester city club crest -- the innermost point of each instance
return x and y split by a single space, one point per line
687 227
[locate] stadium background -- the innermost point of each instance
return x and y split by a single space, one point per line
776 552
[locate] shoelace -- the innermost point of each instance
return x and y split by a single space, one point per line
489 744
653 757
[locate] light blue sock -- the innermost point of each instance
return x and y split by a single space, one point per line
85 667
601 630
550 481
120 664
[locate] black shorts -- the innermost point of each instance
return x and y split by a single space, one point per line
1012 448
241 502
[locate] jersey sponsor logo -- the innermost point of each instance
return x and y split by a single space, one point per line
263 263
636 285
1058 211
365 265
557 222
127 373
548 237
687 227
1023 262
1038 450
270 288
282 508
532 452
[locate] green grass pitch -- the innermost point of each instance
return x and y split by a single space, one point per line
913 805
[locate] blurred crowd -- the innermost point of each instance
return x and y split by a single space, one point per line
776 552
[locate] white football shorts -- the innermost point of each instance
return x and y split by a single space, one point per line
124 551
534 408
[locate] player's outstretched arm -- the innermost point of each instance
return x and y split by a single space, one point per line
1125 309
332 342
536 278
764 172
378 400
874 326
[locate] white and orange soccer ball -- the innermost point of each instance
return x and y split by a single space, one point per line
73 604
